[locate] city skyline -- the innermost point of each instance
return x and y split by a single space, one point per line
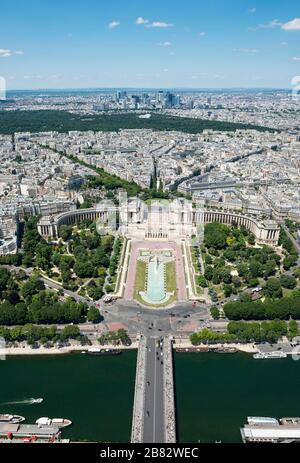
233 44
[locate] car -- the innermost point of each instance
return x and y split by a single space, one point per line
148 413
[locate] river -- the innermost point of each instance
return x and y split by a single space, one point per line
214 393
95 392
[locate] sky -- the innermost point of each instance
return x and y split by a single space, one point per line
149 44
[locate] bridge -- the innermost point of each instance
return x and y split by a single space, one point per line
154 405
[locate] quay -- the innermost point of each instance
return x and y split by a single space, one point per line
11 430
154 404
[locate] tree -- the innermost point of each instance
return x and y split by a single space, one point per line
245 297
208 259
226 276
215 313
65 232
13 315
289 261
217 277
230 255
273 288
236 282
32 287
242 269
70 332
256 269
293 329
270 268
202 281
209 272
93 315
296 273
216 235
84 269
288 281
227 290
251 239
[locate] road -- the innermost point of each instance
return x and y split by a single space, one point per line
295 242
154 425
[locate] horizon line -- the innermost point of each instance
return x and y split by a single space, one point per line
143 88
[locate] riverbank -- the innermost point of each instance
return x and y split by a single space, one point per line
180 344
27 350
249 348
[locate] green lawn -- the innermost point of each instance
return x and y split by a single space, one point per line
140 279
195 263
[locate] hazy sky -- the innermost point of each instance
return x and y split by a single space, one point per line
143 43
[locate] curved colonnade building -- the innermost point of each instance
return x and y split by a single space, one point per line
173 221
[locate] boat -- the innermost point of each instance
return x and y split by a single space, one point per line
270 355
37 401
262 421
55 422
290 421
192 349
13 419
97 351
226 350
266 429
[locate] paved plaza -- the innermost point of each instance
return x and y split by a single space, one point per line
139 246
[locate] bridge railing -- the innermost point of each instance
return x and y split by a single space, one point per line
169 399
137 431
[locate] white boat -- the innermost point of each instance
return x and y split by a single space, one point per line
262 420
290 421
6 418
270 355
45 422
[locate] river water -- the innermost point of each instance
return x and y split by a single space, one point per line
214 393
95 392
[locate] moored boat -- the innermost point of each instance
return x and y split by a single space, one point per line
6 418
270 355
290 421
97 351
55 422
262 421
